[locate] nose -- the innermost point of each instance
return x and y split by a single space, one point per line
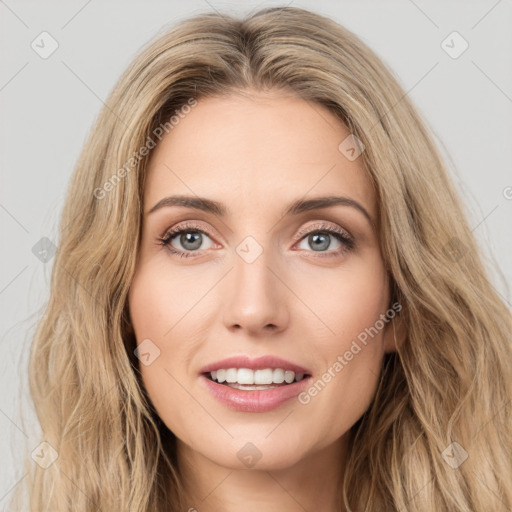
256 298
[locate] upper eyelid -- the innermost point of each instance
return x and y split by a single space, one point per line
323 225
184 227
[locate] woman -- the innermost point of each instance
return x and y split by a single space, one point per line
329 340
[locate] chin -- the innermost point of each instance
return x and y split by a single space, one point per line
265 455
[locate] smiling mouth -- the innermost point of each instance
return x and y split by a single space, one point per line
256 391
231 378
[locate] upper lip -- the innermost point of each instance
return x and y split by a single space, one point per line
259 363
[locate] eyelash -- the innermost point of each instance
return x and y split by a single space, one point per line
348 242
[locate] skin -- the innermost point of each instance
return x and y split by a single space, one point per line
256 153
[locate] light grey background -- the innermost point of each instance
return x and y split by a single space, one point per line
48 107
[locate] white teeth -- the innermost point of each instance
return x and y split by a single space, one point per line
278 376
231 375
263 376
247 376
289 377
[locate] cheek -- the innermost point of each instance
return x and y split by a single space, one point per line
344 300
159 298
348 339
163 307
350 350
162 311
363 297
153 311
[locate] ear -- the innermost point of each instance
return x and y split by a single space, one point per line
395 329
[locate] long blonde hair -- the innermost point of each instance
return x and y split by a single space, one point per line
449 382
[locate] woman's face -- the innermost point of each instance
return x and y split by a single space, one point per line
253 277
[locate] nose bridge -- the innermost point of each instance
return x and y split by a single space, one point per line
254 297
252 269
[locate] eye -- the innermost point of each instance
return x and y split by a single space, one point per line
190 237
320 239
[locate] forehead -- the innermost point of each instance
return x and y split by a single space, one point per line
261 149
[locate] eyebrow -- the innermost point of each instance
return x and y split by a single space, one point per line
298 206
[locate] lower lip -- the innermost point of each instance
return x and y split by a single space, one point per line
257 400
